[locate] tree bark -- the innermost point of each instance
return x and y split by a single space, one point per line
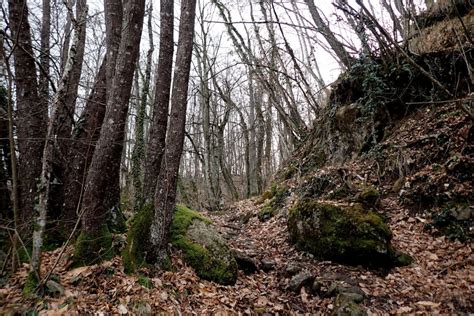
87 130
157 135
59 103
165 196
105 166
31 113
138 155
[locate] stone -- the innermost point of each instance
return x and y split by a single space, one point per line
142 308
292 268
353 235
54 288
245 262
338 287
268 264
348 308
300 280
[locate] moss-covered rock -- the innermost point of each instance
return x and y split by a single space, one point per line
369 196
92 249
203 247
275 196
134 253
192 233
353 235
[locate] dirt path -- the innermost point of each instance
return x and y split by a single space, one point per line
440 280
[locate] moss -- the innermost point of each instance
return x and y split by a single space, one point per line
134 253
352 235
31 283
93 249
207 264
145 282
339 193
369 196
277 195
266 213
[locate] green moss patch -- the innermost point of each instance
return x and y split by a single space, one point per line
276 196
203 248
31 283
93 249
352 235
134 253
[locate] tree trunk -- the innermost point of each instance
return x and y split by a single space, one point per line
31 113
65 115
104 170
138 155
165 196
157 135
59 103
87 130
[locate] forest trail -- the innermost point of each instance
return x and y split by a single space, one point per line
441 280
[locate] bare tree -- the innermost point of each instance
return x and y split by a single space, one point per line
105 166
138 155
87 129
165 196
157 134
31 112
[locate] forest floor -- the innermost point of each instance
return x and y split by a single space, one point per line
441 280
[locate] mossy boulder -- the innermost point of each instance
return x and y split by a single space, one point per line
203 247
351 235
92 249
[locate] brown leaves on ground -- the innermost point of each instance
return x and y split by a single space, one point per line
441 279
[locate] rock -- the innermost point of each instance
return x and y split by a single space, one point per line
354 297
317 286
54 288
122 309
203 247
345 307
292 268
142 308
369 197
338 287
352 235
245 262
268 264
301 279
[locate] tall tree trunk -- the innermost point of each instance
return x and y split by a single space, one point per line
65 115
85 136
157 135
59 102
87 130
94 243
44 56
31 113
138 155
165 196
5 161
